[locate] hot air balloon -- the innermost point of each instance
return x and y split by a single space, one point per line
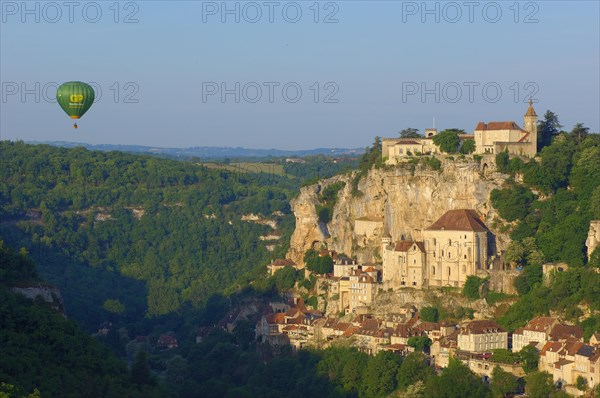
75 98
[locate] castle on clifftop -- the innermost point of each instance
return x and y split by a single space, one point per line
490 138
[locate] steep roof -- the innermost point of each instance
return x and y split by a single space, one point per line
530 110
541 324
491 126
406 245
479 327
552 346
563 332
459 220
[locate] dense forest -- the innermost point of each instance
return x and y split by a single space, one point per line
548 205
44 354
136 234
158 245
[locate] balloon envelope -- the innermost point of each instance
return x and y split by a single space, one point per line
75 98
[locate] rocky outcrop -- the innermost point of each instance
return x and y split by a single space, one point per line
408 197
593 239
50 294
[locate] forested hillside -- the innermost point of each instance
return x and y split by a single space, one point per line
548 205
145 233
41 350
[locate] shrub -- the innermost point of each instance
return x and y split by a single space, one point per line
471 287
430 314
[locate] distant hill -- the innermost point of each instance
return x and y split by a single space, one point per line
210 152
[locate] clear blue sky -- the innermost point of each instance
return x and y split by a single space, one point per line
374 58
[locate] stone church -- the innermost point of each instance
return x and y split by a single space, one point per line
495 137
451 249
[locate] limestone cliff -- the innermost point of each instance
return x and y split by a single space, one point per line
50 294
408 197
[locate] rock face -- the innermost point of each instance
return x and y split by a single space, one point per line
49 294
593 239
409 198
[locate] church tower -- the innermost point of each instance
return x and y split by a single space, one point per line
531 127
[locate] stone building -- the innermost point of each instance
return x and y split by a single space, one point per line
453 248
495 137
537 331
396 149
482 336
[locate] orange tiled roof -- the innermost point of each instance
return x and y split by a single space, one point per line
540 324
552 346
491 126
350 331
563 332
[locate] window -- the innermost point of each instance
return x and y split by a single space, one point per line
432 270
449 271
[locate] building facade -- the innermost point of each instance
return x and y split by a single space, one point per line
453 248
495 137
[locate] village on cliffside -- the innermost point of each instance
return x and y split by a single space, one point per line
407 246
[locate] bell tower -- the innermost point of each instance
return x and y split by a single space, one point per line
530 119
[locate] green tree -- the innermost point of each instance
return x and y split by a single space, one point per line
447 140
456 380
430 314
503 383
414 368
595 203
471 287
502 161
595 258
579 132
379 380
512 203
468 146
317 263
410 133
581 383
114 306
539 385
419 343
530 357
529 277
140 371
285 278
547 129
